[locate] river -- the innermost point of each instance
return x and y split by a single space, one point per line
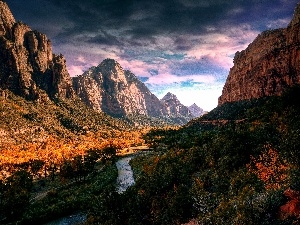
125 179
125 174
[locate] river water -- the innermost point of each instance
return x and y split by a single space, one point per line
125 179
69 220
125 174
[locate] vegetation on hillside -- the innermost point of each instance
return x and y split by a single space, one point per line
237 165
59 142
233 166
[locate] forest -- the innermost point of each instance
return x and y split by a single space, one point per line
239 164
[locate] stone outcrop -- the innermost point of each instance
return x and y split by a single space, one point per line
269 65
174 107
117 92
195 110
28 67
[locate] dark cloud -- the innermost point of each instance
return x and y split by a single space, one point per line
144 19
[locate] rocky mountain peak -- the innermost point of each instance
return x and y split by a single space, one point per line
169 96
28 66
174 106
112 69
196 110
111 89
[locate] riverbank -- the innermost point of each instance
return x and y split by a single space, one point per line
123 180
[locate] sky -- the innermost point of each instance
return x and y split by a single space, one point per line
185 47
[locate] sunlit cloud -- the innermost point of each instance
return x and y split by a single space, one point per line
220 47
170 79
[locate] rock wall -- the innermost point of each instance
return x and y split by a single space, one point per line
269 65
28 66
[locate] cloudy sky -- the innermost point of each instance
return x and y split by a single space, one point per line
181 46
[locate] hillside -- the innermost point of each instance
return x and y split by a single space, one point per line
241 171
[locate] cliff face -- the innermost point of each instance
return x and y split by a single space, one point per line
117 92
174 107
269 65
27 66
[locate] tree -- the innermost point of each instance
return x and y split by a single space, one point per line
16 194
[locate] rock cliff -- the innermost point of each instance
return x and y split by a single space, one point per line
174 107
269 65
28 67
117 92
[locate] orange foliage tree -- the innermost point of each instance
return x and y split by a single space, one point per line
53 151
270 168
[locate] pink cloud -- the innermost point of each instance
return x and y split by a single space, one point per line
163 79
75 70
219 48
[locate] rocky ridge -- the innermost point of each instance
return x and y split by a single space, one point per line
28 67
269 65
118 92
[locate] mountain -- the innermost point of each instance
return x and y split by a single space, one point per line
117 92
174 107
37 100
28 67
196 110
269 65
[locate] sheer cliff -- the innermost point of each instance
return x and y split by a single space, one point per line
269 65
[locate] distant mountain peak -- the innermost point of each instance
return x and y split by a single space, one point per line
174 106
117 92
196 110
169 96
